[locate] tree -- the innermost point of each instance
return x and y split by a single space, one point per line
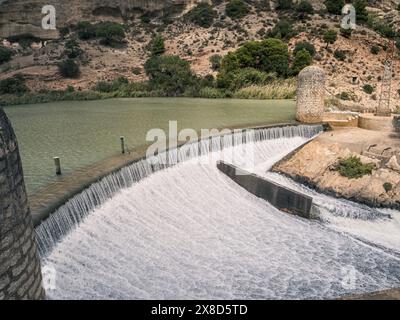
203 15
282 30
304 8
215 62
157 46
72 49
5 54
334 6
304 45
284 4
236 9
270 55
110 32
361 11
13 85
330 37
301 60
69 68
170 74
86 30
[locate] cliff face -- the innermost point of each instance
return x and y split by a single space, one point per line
19 17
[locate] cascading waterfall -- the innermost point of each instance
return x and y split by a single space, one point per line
76 209
190 232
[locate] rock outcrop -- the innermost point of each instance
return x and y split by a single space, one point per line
314 165
24 17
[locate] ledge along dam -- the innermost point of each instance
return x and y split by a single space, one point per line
184 230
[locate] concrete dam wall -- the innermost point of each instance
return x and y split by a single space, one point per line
20 271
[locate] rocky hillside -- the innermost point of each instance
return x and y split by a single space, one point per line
354 63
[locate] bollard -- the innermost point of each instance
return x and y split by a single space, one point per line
122 145
57 162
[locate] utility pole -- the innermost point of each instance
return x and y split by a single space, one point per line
384 108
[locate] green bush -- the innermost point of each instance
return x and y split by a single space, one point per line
170 74
330 37
72 49
305 7
111 33
282 30
334 6
375 49
387 186
284 4
344 96
202 15
304 45
86 30
301 60
270 55
368 88
236 9
361 11
157 46
111 86
69 68
244 78
215 62
5 54
14 85
353 168
346 32
340 55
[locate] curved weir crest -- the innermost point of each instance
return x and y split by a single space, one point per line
68 216
190 232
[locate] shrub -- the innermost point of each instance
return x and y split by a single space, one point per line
301 60
305 7
285 89
368 88
5 54
353 168
334 6
202 15
284 4
270 55
339 55
111 33
170 74
157 46
282 30
243 78
215 62
346 32
344 96
361 11
111 86
375 49
330 37
304 45
69 68
136 71
387 186
14 85
236 9
72 49
86 30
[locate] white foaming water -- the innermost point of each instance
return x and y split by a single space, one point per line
190 232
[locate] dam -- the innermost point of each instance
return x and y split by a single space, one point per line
146 232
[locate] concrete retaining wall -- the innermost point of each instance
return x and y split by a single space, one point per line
20 272
279 196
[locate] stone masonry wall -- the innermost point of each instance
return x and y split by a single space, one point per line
20 271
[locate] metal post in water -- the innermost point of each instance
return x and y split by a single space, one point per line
122 144
57 163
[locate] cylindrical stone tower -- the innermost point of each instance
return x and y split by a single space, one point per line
20 272
310 95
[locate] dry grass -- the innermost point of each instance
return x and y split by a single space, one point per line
282 89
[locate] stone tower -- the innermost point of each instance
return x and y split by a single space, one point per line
20 271
310 95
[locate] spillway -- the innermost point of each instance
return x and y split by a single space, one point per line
187 231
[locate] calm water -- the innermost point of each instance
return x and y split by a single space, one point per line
84 132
